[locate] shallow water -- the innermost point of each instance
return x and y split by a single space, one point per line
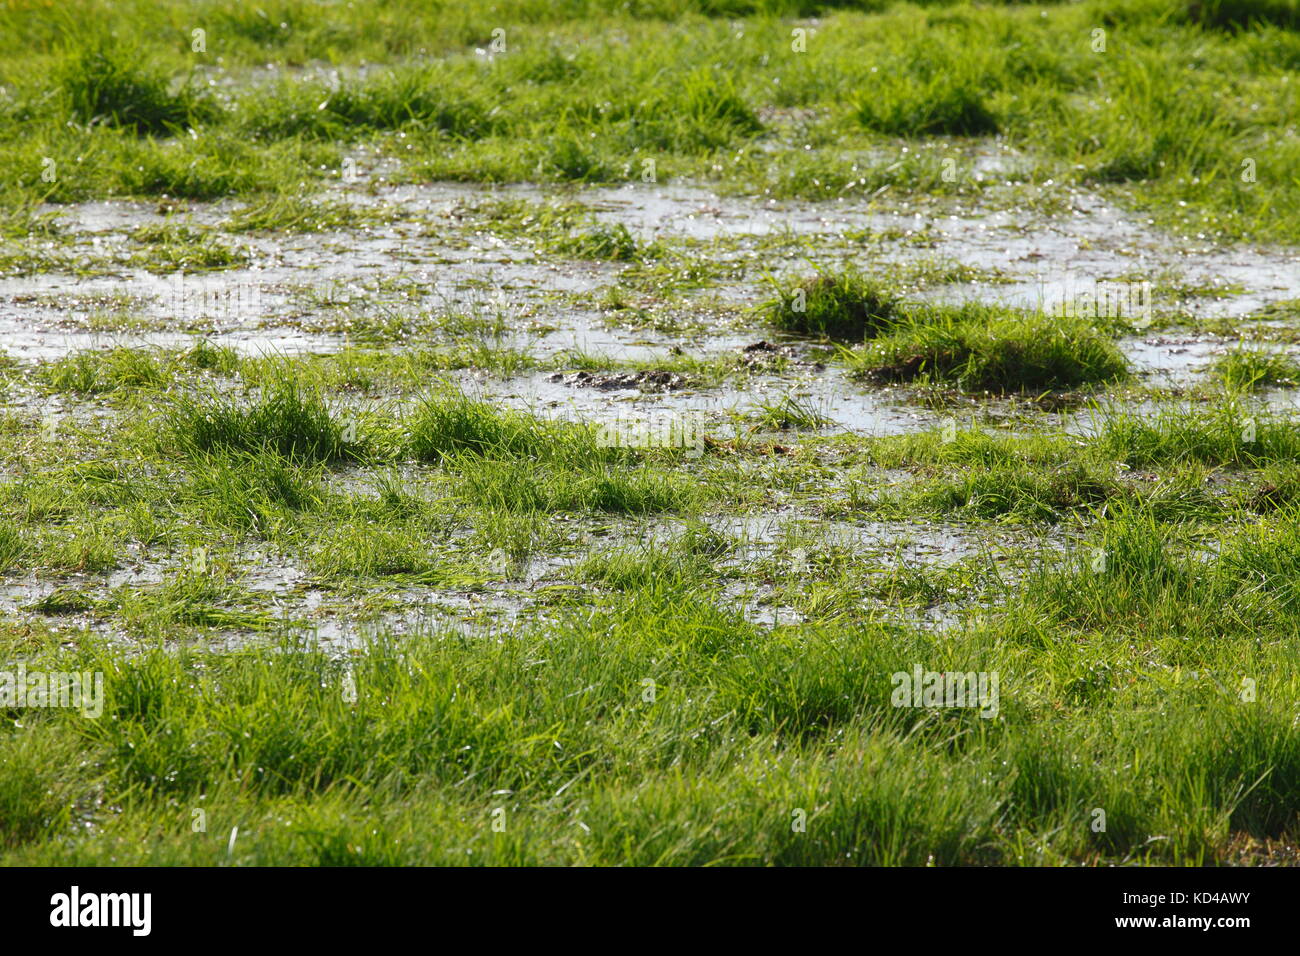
453 265
300 292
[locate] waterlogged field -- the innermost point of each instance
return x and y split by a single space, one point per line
670 432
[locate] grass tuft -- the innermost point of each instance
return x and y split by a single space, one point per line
109 84
283 418
842 305
979 347
1245 369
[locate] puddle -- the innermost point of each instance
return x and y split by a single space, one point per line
448 266
846 406
1172 361
317 293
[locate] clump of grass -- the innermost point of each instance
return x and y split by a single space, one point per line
292 213
980 347
1244 369
202 599
89 545
1042 495
843 305
449 423
971 446
284 418
12 547
111 370
124 369
932 90
790 412
563 228
697 113
1227 435
614 243
205 356
108 84
423 98
173 246
683 563
572 486
512 462
371 550
260 492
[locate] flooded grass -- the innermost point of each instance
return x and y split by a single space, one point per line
1246 369
585 430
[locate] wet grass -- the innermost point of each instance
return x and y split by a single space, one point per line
1231 434
562 643
1244 369
284 418
180 248
592 93
100 372
450 424
843 305
293 213
107 84
564 228
1213 752
986 348
626 670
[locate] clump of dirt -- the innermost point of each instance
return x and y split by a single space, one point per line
903 370
647 380
1245 850
764 355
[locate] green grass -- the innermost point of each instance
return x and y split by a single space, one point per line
1244 369
566 651
642 700
1004 493
593 92
1229 434
451 423
607 709
988 348
12 547
845 305
255 492
291 214
112 370
789 412
931 88
564 228
282 417
113 85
